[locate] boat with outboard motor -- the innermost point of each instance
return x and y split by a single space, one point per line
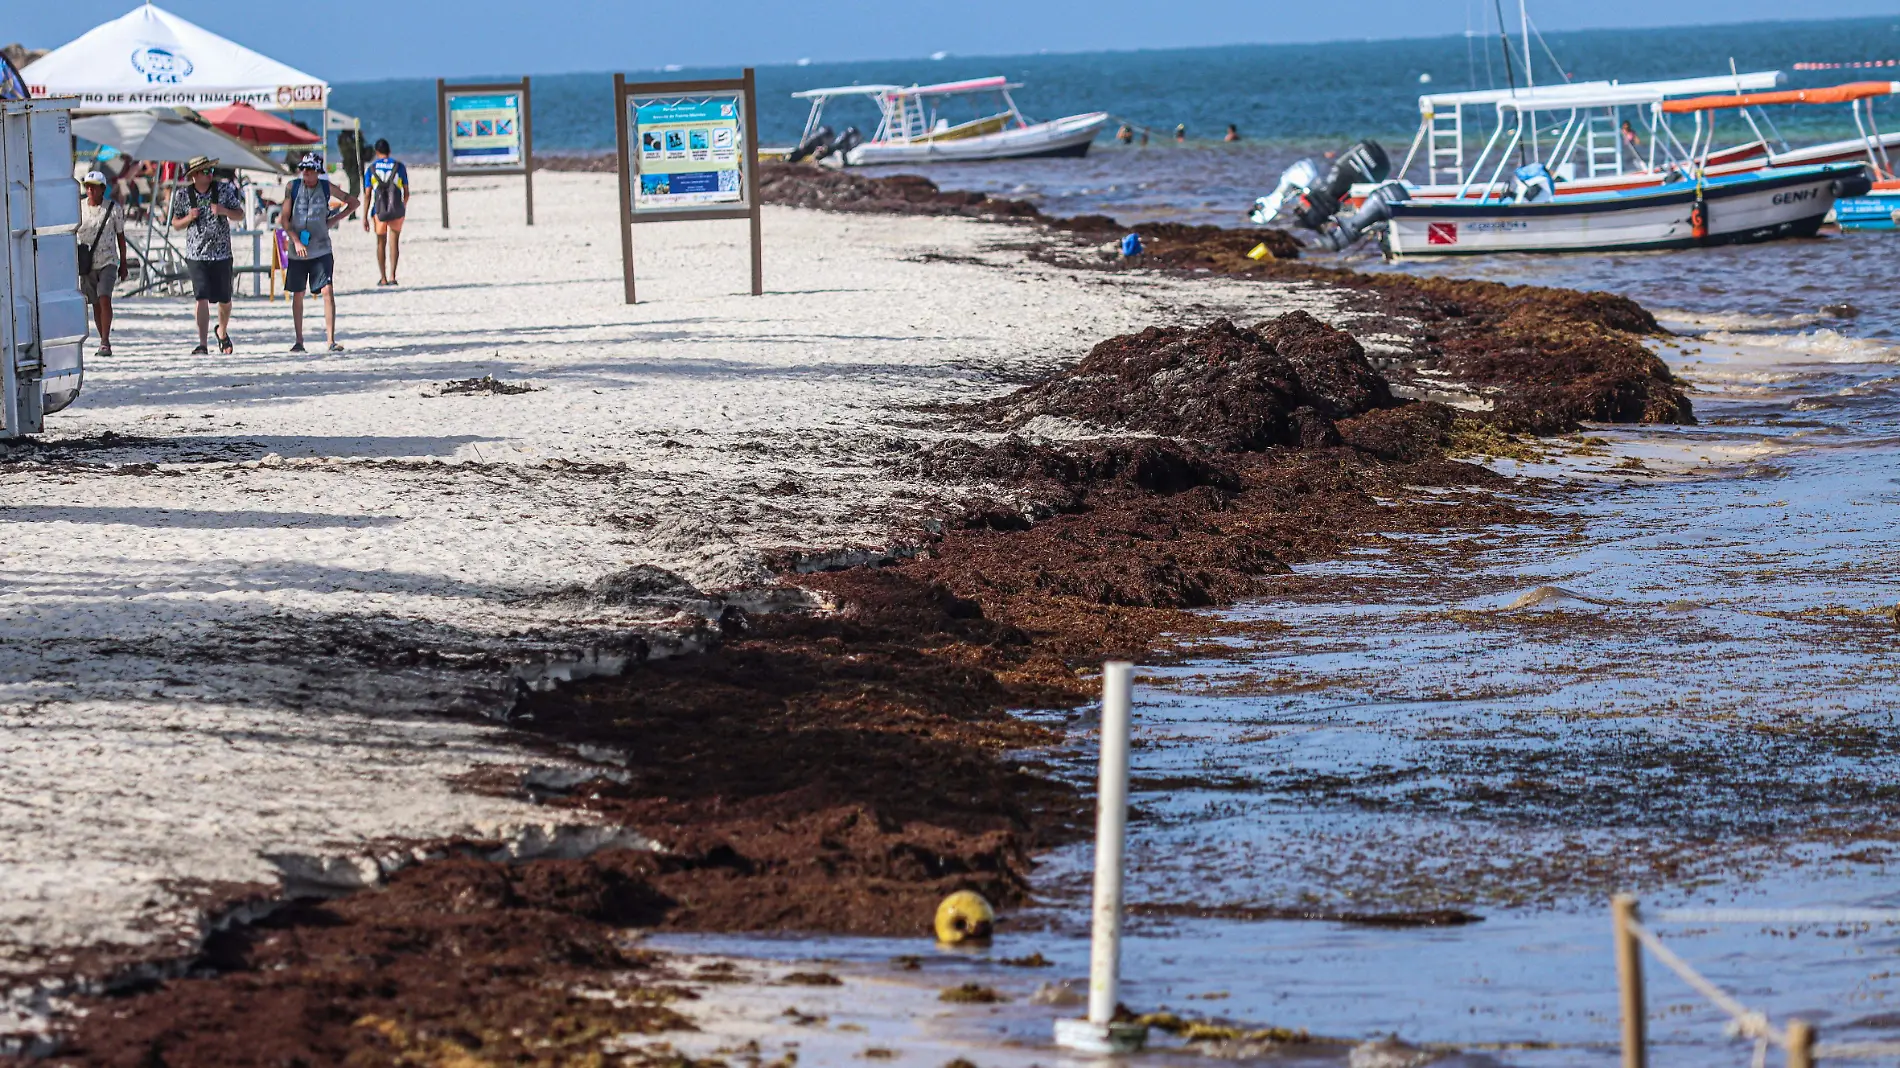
1597 148
1762 205
1671 201
913 129
1592 111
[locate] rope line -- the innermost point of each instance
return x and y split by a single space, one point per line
1823 916
1743 1022
1856 1049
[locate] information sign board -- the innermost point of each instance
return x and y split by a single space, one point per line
687 150
485 129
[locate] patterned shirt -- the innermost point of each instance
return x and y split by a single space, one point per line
209 235
99 234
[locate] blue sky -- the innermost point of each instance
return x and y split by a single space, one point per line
352 40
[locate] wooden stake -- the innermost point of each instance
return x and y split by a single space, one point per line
624 165
527 144
1800 1044
1629 982
442 142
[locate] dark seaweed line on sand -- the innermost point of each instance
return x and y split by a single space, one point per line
840 772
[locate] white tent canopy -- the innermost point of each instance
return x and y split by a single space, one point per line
152 58
162 136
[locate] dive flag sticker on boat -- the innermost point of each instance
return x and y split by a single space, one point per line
1441 233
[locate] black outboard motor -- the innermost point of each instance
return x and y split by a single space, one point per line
814 146
1342 234
1365 161
844 142
1853 185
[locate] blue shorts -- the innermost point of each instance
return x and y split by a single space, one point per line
317 271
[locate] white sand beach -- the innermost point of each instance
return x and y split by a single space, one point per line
237 661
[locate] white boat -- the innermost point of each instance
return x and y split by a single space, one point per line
1590 152
1761 205
912 127
1681 196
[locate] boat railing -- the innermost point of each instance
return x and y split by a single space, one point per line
1561 149
1876 147
1441 127
1466 178
1578 124
1014 112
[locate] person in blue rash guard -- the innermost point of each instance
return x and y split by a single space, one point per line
386 185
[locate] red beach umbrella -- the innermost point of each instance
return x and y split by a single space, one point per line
246 123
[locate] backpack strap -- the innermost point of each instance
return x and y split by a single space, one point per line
296 184
105 227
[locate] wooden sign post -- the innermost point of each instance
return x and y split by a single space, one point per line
688 150
485 128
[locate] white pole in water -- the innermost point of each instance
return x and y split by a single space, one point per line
1111 842
1098 1033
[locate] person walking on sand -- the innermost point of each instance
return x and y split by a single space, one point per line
100 255
386 181
203 208
308 219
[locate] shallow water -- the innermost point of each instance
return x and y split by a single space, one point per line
1782 287
1683 687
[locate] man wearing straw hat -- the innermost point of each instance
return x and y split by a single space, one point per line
101 239
204 210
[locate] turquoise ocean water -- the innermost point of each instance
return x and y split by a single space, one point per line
1296 95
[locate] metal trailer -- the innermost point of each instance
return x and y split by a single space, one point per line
42 314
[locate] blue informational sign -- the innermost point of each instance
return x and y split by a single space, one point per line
484 130
687 152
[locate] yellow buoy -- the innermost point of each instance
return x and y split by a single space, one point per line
964 917
1261 252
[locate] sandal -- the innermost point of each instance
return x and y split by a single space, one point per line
298 347
334 347
201 350
105 349
224 342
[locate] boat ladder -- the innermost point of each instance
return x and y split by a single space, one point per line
1603 143
911 123
1448 145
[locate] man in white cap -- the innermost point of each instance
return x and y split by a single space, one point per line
308 219
204 209
100 256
